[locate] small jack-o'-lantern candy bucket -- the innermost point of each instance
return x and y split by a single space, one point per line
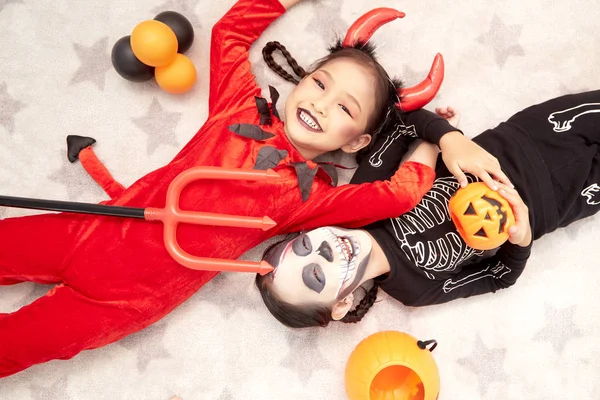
391 365
482 217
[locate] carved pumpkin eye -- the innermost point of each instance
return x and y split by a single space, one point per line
482 217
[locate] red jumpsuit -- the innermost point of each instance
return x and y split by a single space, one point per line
114 276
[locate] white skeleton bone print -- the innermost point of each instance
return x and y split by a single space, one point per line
443 254
400 131
563 119
592 193
497 272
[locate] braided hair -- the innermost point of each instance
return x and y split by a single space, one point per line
305 316
365 304
386 114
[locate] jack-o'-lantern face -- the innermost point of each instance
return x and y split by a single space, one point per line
482 217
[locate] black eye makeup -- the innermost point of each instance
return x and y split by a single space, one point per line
325 251
319 83
302 246
345 109
313 277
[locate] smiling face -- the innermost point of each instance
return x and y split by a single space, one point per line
330 108
320 267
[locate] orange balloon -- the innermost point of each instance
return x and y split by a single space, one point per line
391 365
154 43
177 77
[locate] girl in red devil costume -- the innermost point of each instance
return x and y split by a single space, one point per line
114 277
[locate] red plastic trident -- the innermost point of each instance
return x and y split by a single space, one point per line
171 216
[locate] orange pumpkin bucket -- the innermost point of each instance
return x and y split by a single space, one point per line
481 216
392 365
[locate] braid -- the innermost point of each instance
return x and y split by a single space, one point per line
268 57
361 309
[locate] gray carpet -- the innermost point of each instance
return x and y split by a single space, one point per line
537 340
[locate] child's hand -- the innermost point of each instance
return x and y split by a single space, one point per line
450 114
520 233
461 154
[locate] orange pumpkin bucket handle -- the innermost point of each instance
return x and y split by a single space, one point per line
423 344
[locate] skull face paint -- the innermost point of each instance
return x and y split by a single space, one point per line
321 266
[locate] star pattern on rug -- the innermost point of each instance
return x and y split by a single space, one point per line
95 62
183 7
560 327
58 390
159 125
76 180
486 364
304 355
9 107
4 3
225 292
503 39
326 20
35 293
148 344
226 395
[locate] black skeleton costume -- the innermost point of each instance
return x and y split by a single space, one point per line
551 153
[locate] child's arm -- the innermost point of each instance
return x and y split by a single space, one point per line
232 84
359 205
487 276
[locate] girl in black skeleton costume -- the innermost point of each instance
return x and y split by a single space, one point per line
550 152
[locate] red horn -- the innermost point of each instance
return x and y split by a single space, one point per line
365 26
415 97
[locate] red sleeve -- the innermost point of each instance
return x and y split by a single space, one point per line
231 81
355 206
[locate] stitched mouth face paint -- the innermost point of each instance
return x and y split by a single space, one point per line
320 266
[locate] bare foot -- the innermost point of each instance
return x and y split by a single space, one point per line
450 114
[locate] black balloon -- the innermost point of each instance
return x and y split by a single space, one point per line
127 64
184 31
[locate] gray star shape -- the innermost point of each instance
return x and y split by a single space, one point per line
95 62
76 180
159 125
411 77
226 395
563 89
36 292
184 7
225 292
559 328
149 345
573 229
4 3
9 107
486 364
503 39
326 20
304 356
58 390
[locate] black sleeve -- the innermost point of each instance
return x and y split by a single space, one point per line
427 125
383 160
392 145
497 272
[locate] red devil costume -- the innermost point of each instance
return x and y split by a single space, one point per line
114 276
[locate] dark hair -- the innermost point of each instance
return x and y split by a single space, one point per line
386 88
306 316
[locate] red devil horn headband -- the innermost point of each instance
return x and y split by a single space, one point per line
412 98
